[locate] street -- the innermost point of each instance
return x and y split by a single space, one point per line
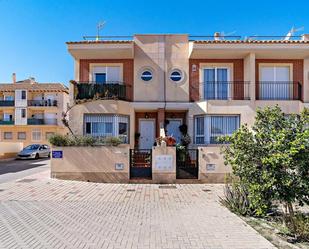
15 169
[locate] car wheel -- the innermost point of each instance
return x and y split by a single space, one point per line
37 156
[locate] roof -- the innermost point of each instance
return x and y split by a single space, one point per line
45 87
251 42
101 42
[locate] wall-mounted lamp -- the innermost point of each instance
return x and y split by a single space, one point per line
194 68
146 115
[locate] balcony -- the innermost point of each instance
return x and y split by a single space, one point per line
43 103
108 90
278 90
7 102
6 122
224 90
37 121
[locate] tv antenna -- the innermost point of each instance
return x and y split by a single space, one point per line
291 33
100 26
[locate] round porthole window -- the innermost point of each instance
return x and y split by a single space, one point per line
146 75
176 75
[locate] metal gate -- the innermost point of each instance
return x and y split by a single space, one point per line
140 164
187 164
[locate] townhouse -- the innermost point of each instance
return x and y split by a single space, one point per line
30 112
134 87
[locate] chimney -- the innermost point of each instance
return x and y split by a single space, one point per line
32 80
217 36
305 37
13 78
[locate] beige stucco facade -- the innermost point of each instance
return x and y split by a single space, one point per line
161 98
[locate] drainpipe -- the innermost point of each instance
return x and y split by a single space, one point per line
164 79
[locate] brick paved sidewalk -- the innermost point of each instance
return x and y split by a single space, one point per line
37 212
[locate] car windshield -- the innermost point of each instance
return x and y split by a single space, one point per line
32 147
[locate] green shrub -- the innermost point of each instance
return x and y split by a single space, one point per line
299 226
236 198
114 141
69 140
271 158
58 140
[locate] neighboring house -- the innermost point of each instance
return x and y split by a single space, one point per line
212 85
30 112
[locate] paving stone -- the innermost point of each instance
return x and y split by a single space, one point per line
71 214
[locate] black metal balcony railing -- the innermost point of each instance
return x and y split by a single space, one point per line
224 90
47 102
6 122
278 90
107 90
38 121
7 102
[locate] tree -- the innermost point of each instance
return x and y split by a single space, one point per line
272 159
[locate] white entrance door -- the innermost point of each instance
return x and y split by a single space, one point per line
147 133
173 129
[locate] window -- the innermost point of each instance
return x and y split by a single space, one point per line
49 134
8 135
36 135
23 113
7 117
209 128
275 83
123 129
105 128
103 125
9 98
146 75
216 83
106 74
100 78
23 94
176 75
21 135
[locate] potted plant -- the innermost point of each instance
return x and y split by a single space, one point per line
170 141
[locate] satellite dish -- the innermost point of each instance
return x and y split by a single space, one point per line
292 32
100 26
220 35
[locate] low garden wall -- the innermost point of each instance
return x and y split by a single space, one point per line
108 164
10 149
111 164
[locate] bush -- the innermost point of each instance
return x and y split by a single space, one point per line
113 141
69 140
58 140
299 226
272 159
236 198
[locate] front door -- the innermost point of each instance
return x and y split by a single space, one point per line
172 129
147 133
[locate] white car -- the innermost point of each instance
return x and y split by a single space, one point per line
34 151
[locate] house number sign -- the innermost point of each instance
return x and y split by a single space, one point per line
57 154
164 162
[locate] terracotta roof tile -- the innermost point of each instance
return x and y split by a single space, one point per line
48 87
251 42
101 42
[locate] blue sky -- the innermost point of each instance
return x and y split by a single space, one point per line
33 32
